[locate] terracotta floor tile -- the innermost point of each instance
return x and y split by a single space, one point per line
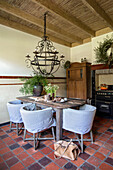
21 143
102 129
99 155
105 136
45 161
14 146
1 142
61 162
109 161
37 155
72 135
90 151
22 155
87 143
52 146
51 155
48 142
46 150
3 166
99 142
52 166
102 139
84 156
108 146
18 139
110 142
8 155
105 166
111 138
35 166
94 146
111 127
3 145
2 133
28 161
7 139
87 166
12 133
12 161
108 133
10 142
1 160
104 150
111 155
66 133
18 166
18 150
31 151
4 150
78 162
94 161
14 136
70 166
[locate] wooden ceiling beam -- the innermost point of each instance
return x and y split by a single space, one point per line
97 10
31 19
57 10
32 31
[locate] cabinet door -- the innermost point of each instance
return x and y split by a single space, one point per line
76 89
71 86
80 91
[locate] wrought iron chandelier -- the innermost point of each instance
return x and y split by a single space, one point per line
45 60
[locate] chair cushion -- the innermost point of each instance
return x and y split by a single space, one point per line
32 107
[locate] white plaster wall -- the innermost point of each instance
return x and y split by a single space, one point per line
14 46
81 51
7 93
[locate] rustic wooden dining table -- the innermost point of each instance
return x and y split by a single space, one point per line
57 106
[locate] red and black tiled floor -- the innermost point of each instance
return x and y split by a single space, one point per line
16 154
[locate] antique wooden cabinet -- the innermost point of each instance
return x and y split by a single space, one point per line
79 80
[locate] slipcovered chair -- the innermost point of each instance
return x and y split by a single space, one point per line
36 121
80 122
14 114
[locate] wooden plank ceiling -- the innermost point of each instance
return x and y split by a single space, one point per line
69 22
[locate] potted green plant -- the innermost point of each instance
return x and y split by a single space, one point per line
51 90
33 85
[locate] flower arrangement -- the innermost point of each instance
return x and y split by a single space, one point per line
50 89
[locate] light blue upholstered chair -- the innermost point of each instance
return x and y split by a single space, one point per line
36 121
80 122
14 114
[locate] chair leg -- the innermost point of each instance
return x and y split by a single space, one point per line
91 135
82 143
35 141
10 125
53 133
24 134
78 139
17 128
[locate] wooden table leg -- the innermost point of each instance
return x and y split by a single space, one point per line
59 119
